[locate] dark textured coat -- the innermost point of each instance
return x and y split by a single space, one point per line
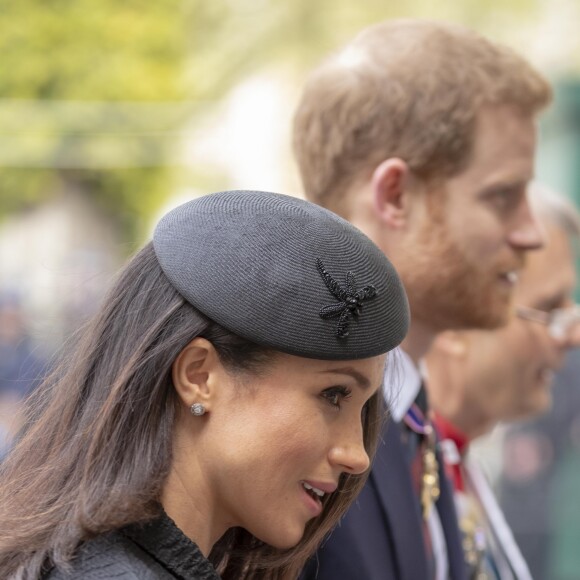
157 550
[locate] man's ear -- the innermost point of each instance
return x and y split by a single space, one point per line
193 373
452 343
389 184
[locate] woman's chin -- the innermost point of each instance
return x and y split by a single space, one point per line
282 539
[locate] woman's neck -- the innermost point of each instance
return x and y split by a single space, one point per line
190 504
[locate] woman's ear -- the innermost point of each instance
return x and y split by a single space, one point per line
193 372
389 184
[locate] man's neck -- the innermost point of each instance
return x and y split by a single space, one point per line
418 341
473 425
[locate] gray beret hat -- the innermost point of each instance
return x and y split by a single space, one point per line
283 273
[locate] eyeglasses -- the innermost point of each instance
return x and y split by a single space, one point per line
560 321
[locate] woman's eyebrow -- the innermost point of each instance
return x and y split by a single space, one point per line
362 381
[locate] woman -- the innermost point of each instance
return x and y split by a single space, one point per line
220 409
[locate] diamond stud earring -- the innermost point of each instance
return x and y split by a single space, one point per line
197 409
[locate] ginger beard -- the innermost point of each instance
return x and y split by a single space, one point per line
446 289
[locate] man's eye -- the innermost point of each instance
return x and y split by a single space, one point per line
335 395
504 199
549 307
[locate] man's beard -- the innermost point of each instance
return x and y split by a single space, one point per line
448 291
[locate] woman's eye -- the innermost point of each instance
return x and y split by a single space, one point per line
335 395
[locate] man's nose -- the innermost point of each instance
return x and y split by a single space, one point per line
527 233
571 338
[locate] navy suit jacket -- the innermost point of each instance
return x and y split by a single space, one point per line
381 537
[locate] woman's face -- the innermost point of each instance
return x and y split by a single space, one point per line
267 439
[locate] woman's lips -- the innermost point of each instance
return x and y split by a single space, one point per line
314 503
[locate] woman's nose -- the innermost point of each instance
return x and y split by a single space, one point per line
350 454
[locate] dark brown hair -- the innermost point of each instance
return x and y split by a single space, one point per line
98 443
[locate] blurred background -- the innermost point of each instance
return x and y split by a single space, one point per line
113 112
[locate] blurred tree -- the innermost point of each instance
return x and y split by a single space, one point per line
60 51
232 36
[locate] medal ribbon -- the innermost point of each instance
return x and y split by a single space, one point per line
428 486
417 422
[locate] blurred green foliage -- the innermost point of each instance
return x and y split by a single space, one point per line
87 49
59 50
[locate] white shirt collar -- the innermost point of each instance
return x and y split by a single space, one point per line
401 383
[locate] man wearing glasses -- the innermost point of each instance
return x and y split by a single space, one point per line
479 378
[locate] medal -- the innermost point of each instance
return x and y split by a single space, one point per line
473 538
430 491
430 482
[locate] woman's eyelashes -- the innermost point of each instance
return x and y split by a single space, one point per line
336 395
